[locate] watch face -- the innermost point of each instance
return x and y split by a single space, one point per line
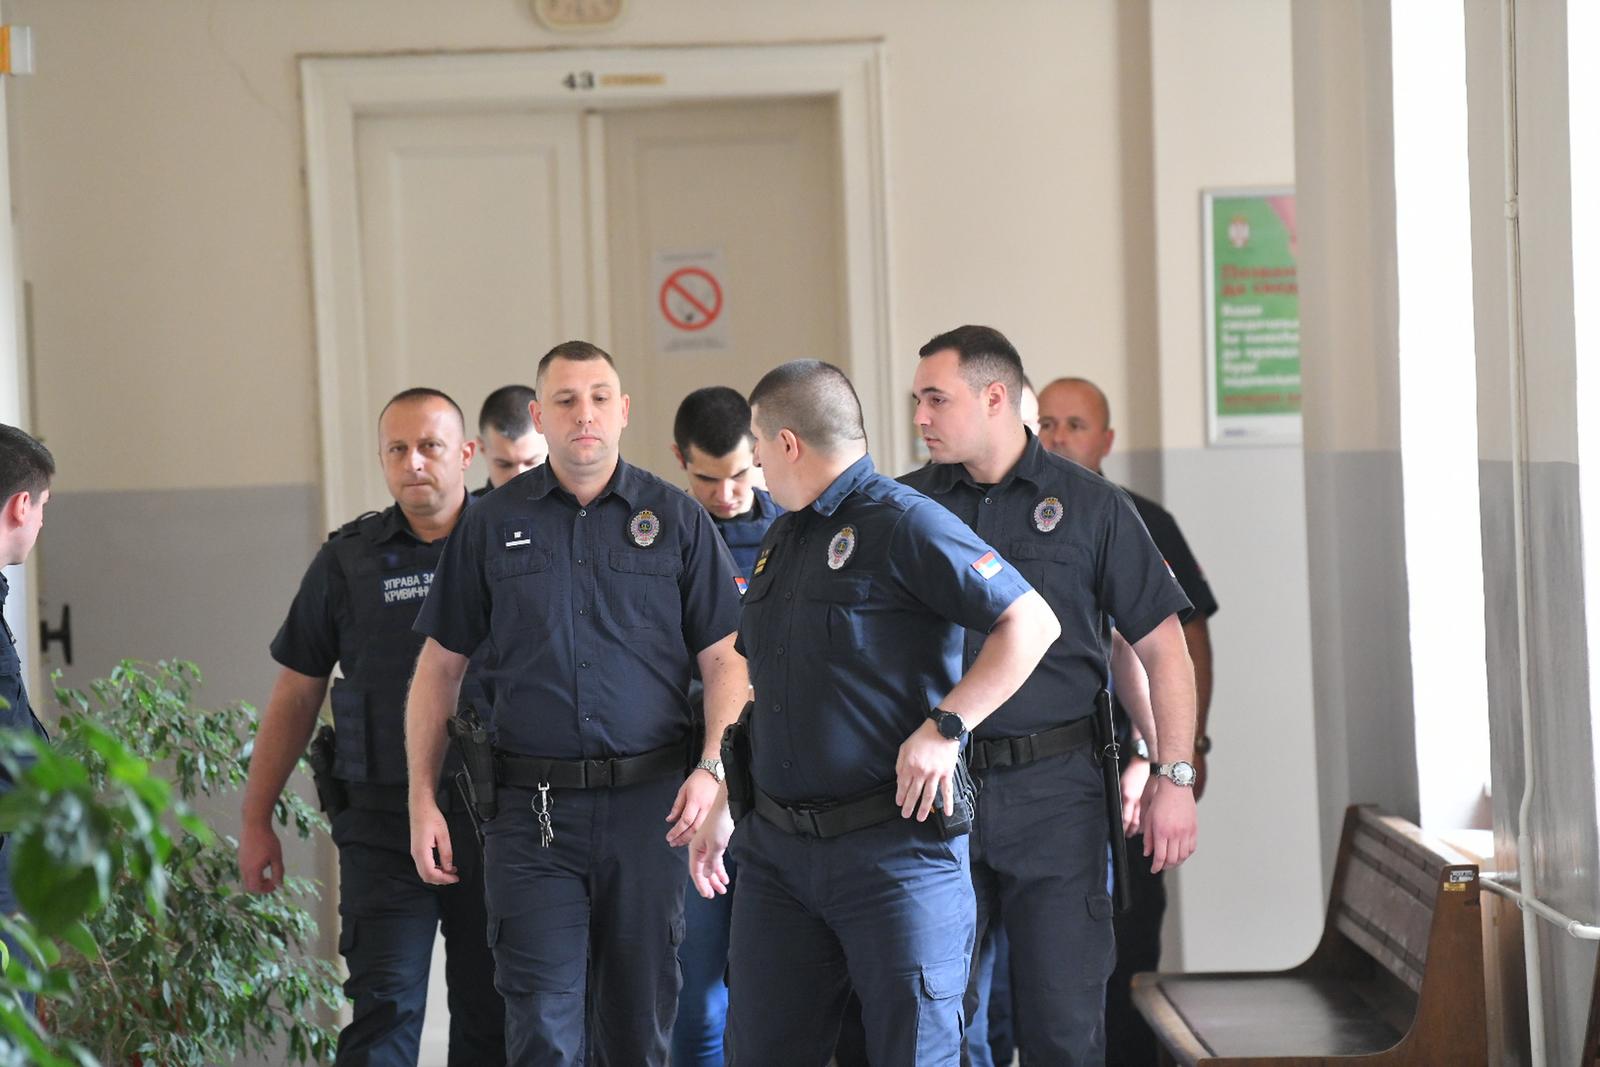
951 726
1182 773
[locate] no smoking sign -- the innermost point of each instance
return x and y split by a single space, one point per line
691 302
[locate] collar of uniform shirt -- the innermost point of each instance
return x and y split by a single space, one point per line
1028 469
625 481
842 486
394 522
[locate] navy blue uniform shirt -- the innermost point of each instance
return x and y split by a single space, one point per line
743 533
18 715
592 614
1077 539
853 618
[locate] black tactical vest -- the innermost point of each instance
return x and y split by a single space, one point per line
387 572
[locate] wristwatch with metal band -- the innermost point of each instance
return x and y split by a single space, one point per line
714 768
1179 773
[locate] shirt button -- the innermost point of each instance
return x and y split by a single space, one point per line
582 512
778 708
789 595
583 611
585 663
802 540
580 563
787 765
988 500
780 650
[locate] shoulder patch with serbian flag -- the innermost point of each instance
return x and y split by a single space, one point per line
988 565
741 583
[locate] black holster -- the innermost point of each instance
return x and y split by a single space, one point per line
966 803
1106 751
331 795
736 765
476 780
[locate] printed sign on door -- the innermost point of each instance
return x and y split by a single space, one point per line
691 302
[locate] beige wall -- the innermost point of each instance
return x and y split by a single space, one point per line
158 158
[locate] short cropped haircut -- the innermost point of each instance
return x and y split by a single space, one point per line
577 352
26 466
505 411
420 393
715 420
984 356
812 399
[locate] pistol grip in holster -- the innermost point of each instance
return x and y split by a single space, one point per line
471 738
736 765
331 795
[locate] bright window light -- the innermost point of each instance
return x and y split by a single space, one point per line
1438 412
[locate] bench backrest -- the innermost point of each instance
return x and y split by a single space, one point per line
1387 881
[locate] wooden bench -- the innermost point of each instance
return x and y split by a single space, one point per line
1396 980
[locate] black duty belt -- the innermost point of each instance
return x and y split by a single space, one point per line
531 772
395 798
1015 751
831 820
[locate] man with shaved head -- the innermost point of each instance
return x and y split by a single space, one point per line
853 862
1075 422
354 610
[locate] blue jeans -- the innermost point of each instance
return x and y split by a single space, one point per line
703 957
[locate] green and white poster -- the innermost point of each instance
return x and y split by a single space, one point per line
1252 317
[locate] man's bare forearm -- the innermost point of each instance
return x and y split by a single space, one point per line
285 731
1133 688
435 688
1013 649
727 681
1165 655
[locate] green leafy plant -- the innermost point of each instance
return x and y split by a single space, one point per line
73 839
190 969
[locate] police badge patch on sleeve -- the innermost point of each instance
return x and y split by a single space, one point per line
1047 514
644 528
841 548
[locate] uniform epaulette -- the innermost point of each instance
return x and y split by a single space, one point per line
353 527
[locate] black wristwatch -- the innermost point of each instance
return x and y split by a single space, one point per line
951 728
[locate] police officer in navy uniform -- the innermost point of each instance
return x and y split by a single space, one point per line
507 440
26 468
355 609
712 442
853 626
1076 424
596 587
1039 844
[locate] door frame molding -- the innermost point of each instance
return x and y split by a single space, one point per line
338 90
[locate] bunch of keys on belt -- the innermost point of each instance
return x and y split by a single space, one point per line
541 809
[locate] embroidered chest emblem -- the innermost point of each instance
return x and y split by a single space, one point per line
1047 514
842 547
644 528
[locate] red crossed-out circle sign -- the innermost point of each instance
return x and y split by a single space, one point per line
691 299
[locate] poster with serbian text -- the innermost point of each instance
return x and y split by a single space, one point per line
1252 317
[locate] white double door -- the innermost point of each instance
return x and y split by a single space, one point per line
488 238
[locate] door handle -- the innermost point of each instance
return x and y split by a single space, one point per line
63 634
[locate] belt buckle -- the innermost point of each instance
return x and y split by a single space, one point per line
1022 750
805 822
597 773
